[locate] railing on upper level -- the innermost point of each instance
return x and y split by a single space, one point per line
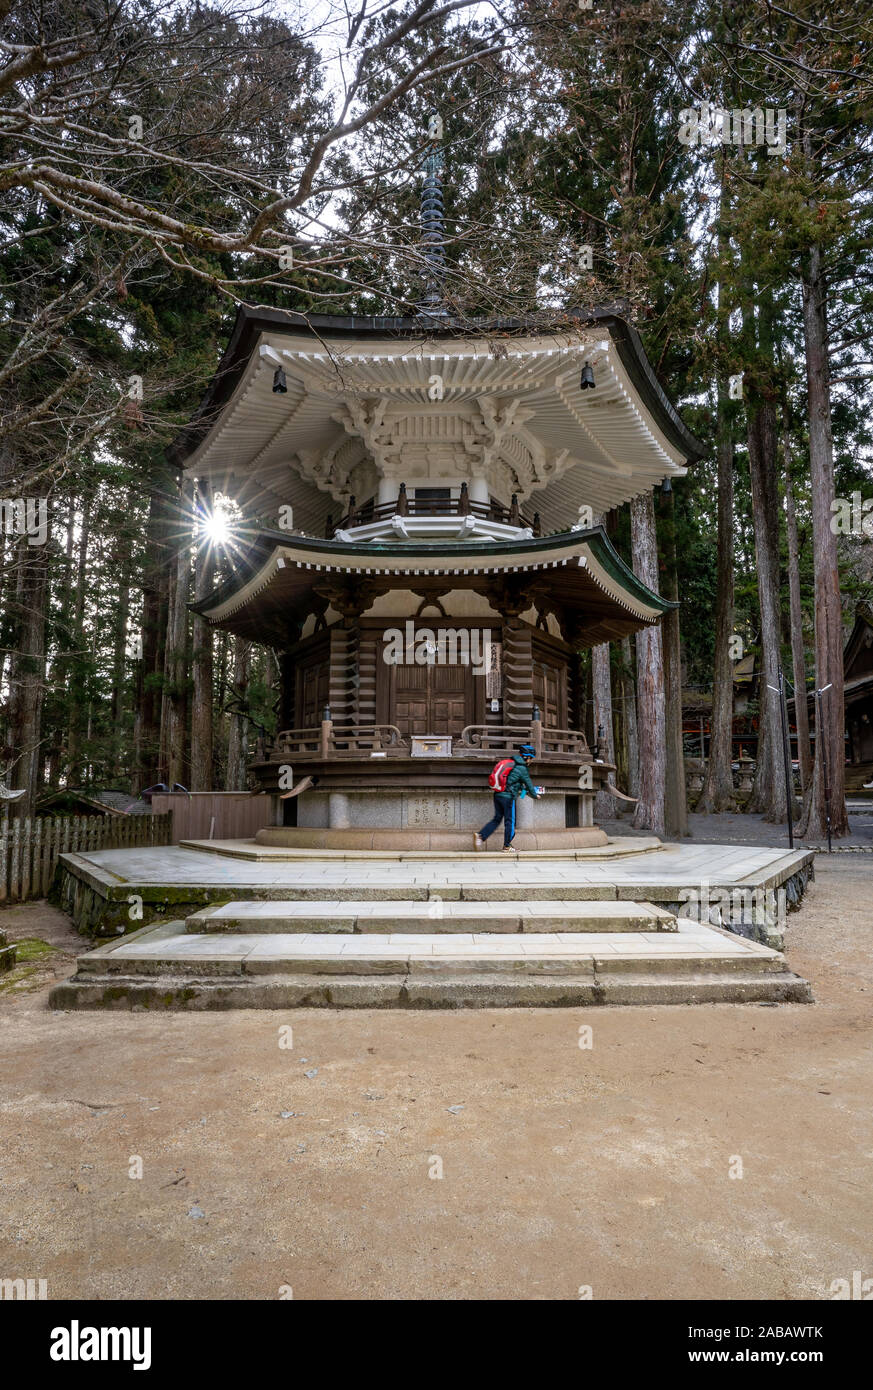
414 506
350 739
331 740
569 744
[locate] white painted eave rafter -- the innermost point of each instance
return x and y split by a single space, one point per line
621 439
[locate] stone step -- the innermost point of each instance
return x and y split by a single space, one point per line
167 968
434 916
623 847
445 991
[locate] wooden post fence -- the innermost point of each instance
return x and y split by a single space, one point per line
31 845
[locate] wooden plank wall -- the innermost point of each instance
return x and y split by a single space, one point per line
237 815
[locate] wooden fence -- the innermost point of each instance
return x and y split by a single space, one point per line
215 815
30 846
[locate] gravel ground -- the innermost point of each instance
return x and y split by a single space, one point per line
310 1167
730 829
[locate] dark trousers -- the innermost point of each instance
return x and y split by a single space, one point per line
504 810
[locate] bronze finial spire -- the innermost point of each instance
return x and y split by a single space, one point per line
433 225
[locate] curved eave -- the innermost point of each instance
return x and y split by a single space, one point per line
583 565
251 323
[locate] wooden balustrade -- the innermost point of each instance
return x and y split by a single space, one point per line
332 740
492 738
435 506
564 744
367 738
293 742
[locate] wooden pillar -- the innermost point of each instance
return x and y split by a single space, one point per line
536 733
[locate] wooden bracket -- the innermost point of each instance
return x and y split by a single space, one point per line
303 785
615 792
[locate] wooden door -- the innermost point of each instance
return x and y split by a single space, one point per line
430 700
450 699
549 693
410 709
314 685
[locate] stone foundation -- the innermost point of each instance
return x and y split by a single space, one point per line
433 819
406 839
462 811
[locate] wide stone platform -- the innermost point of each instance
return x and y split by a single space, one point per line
107 891
242 925
169 968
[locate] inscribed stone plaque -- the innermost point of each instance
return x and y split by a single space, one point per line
429 812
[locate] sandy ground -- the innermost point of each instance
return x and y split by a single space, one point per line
607 1167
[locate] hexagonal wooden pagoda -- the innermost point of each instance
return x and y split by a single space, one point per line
420 497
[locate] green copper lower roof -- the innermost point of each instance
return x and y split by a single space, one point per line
585 576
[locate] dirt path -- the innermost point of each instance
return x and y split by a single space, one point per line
606 1167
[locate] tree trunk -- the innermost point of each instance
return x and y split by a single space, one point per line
601 696
675 802
629 711
798 654
829 738
768 794
27 672
74 691
175 707
119 657
650 677
718 785
155 619
237 740
201 633
602 715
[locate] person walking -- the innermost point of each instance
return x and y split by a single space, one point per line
509 780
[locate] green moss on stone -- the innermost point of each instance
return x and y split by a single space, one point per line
32 948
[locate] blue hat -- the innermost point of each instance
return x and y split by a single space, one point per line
527 750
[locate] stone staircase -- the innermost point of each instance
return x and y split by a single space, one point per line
452 953
436 915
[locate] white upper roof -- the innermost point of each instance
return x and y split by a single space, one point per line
431 411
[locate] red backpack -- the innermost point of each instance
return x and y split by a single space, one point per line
499 773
